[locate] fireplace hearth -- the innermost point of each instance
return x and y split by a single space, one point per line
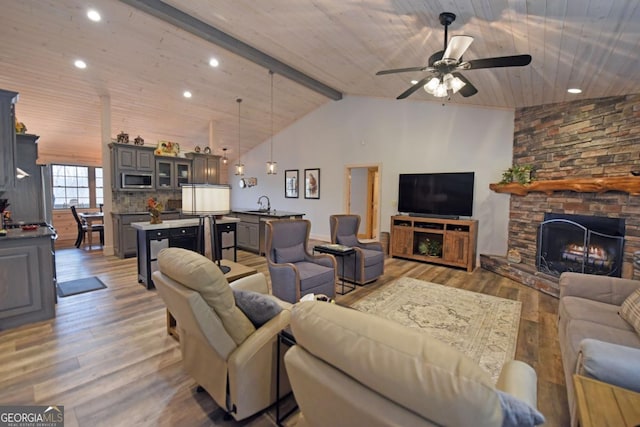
580 243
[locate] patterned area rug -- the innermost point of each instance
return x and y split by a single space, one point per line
483 327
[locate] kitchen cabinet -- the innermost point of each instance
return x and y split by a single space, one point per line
130 159
125 236
251 228
7 139
205 167
172 173
27 277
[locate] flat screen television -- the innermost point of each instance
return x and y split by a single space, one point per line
436 194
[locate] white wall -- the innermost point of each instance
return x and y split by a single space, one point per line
359 187
403 137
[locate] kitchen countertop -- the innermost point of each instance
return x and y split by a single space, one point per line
17 233
176 223
273 213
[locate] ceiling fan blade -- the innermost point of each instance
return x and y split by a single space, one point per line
500 61
468 89
414 88
400 70
457 47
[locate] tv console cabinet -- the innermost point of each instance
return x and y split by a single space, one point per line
449 242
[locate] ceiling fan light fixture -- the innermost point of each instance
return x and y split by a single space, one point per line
453 83
441 91
432 85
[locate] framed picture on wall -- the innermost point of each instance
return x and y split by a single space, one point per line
291 180
312 183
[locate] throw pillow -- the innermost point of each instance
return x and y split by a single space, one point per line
349 240
518 413
290 254
610 363
259 308
630 310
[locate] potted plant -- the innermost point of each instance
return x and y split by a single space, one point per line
519 174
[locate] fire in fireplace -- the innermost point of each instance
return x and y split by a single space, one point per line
580 243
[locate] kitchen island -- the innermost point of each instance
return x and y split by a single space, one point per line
251 229
27 277
180 233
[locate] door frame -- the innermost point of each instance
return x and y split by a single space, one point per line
372 219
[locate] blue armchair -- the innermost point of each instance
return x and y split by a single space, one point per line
294 271
369 263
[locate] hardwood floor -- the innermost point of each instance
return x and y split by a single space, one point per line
107 358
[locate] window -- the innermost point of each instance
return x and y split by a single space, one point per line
80 186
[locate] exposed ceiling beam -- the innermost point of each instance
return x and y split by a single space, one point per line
205 31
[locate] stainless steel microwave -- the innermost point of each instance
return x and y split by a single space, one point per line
137 180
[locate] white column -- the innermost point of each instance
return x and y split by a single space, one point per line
105 136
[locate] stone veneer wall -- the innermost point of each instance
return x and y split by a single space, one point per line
580 139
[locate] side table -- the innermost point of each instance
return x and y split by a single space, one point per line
341 251
602 404
237 271
285 337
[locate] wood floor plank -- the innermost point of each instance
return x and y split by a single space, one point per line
107 358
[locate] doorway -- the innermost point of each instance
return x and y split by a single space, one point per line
363 198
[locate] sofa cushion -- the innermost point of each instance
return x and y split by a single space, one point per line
630 310
200 274
610 363
291 254
576 308
312 275
372 257
404 365
348 240
518 413
259 308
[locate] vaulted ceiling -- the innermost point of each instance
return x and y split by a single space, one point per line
144 64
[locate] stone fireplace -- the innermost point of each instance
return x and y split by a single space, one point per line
580 243
595 138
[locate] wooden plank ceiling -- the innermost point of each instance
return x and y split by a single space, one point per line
144 64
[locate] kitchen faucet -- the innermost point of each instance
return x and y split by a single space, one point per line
268 203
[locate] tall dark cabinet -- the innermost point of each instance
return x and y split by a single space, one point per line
7 139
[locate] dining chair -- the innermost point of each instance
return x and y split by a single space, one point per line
83 228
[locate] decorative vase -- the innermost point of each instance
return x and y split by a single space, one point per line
155 219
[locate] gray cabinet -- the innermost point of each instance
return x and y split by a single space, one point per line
125 236
26 198
131 160
205 168
7 139
27 282
248 232
172 173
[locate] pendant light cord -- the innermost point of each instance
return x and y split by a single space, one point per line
271 151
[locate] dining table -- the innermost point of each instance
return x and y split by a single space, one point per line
90 218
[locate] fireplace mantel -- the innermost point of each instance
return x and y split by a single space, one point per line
626 184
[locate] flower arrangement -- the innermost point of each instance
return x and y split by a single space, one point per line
155 208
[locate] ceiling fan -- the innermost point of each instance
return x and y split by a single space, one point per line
444 66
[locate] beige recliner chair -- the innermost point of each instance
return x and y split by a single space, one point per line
350 368
221 349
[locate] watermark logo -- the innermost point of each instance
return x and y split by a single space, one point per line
31 416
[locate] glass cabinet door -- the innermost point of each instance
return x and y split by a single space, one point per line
164 174
183 173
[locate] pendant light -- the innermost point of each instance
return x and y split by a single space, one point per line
224 156
272 167
239 165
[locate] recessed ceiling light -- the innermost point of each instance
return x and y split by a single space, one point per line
79 63
186 94
94 15
414 82
574 90
214 62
